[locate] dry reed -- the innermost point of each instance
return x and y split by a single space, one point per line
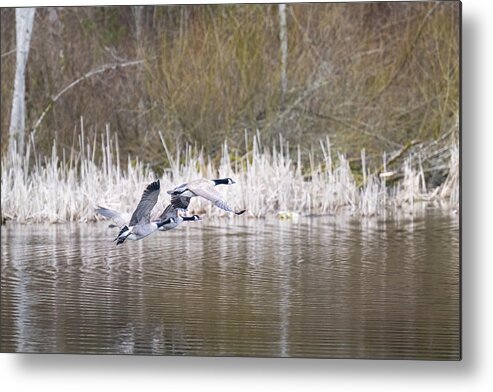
269 182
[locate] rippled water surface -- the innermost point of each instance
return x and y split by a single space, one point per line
320 287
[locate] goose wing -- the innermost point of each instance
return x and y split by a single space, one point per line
178 201
224 206
169 212
208 192
142 213
178 189
191 185
115 216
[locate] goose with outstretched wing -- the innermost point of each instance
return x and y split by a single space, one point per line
140 225
181 195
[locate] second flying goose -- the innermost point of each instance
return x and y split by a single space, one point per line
181 195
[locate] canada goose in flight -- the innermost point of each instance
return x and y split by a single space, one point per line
140 224
120 220
171 212
181 195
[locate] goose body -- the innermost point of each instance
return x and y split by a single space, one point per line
140 225
138 232
168 220
181 195
121 220
171 212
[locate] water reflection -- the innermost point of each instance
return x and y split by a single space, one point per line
321 287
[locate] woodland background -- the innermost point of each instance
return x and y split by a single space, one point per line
376 76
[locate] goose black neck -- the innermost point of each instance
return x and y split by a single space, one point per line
165 222
221 181
123 230
188 218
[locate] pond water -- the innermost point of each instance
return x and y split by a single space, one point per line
320 287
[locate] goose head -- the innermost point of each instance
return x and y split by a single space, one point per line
223 181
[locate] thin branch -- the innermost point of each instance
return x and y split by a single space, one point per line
410 50
359 128
96 71
9 52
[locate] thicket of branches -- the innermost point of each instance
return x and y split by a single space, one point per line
369 75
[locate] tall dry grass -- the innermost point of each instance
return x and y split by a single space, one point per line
270 182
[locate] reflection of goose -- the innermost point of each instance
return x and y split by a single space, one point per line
181 195
140 224
171 212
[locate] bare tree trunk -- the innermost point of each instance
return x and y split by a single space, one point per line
24 18
283 37
138 11
138 16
